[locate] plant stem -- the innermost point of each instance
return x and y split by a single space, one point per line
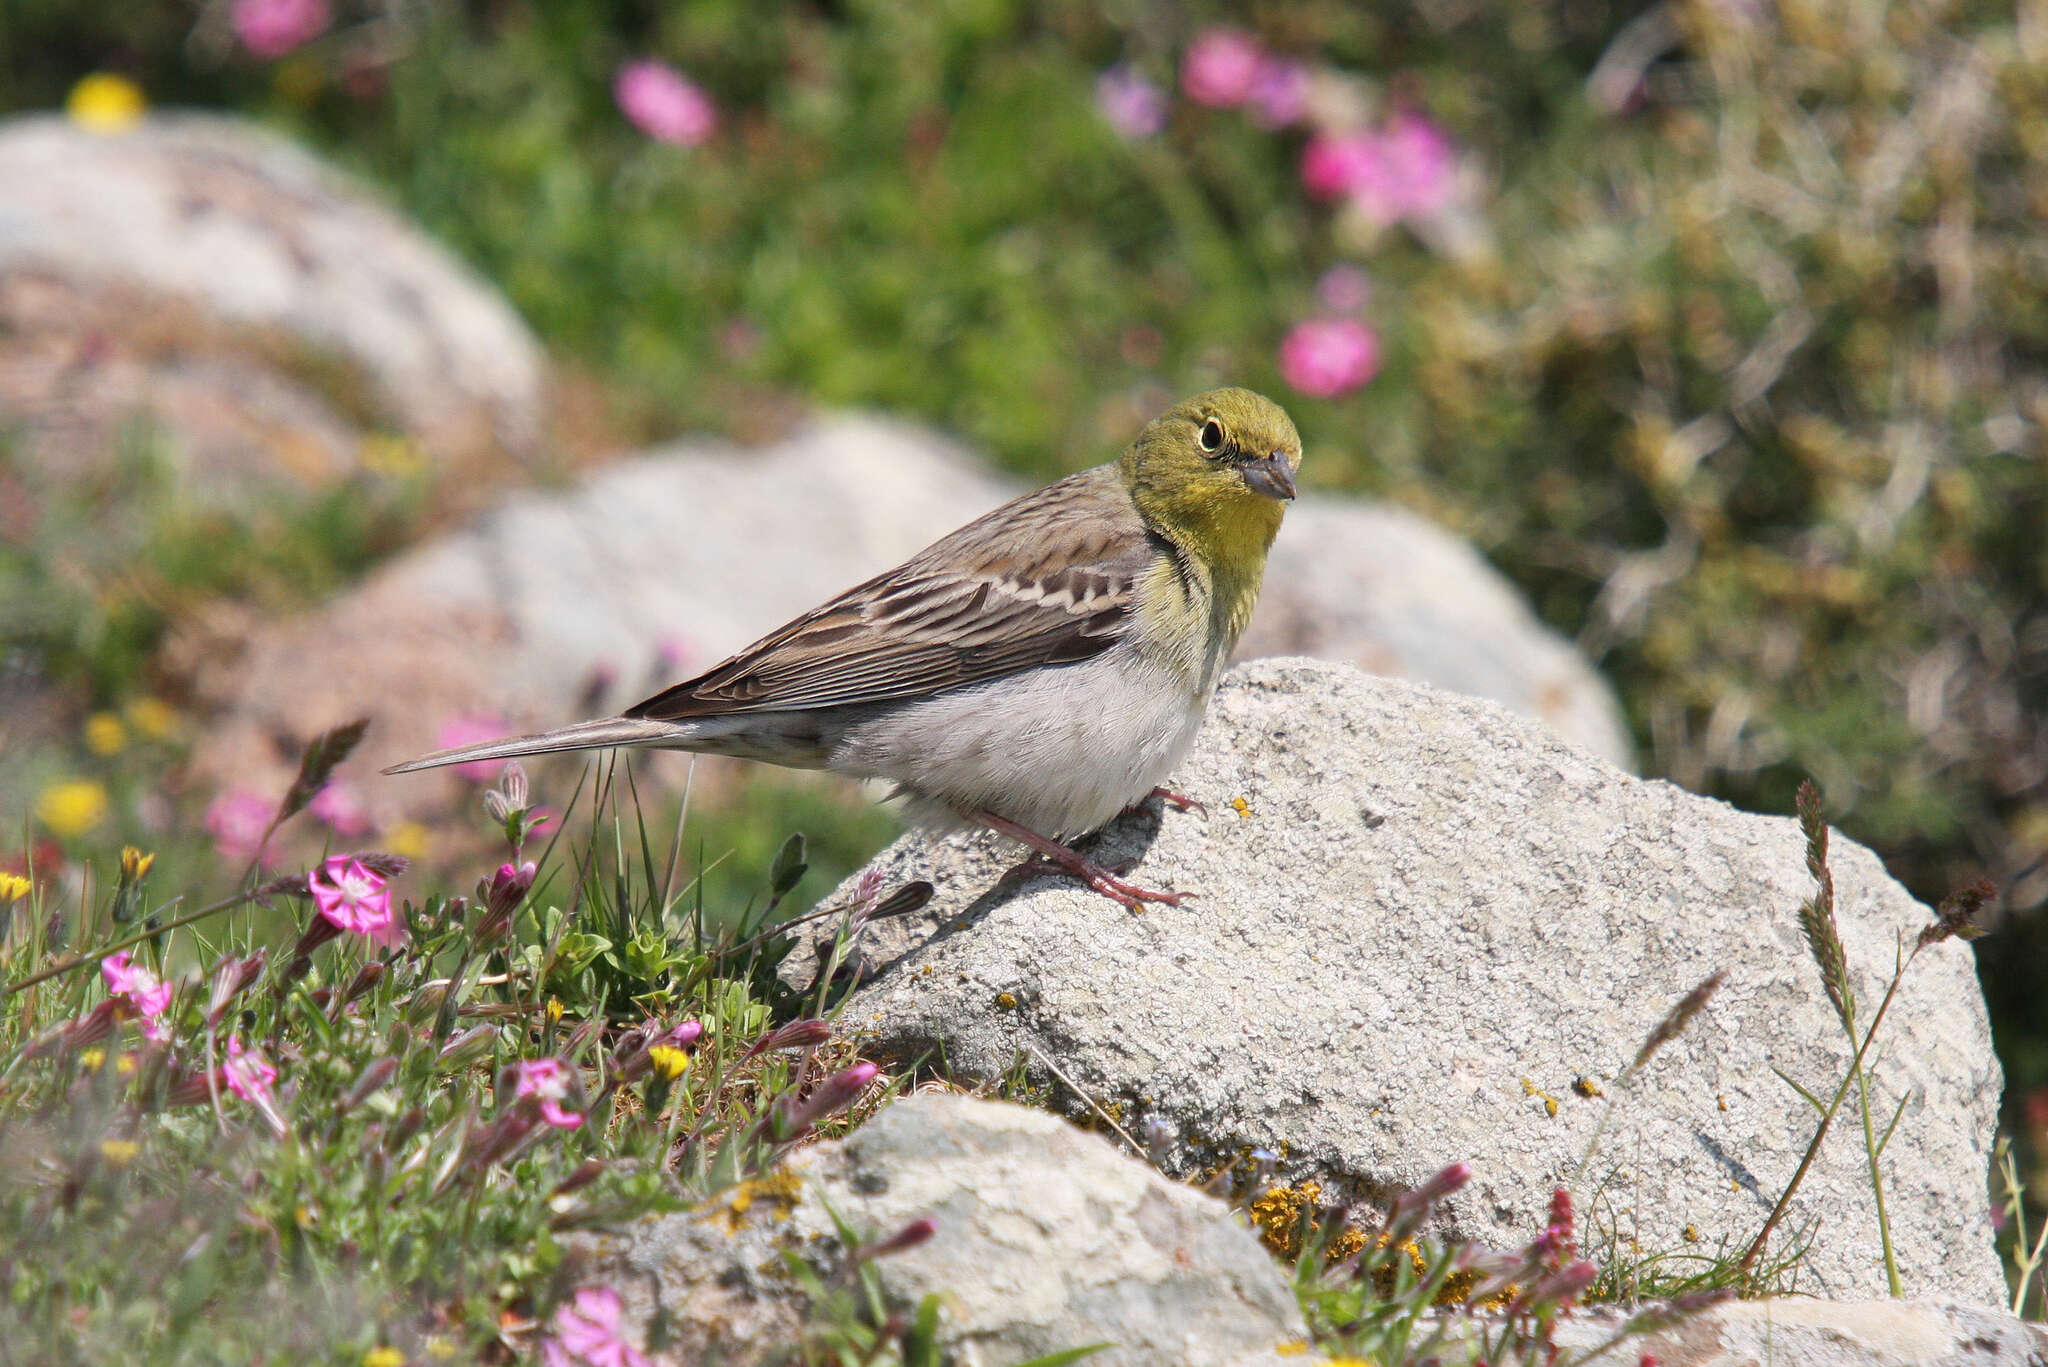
1884 1225
1827 1118
83 960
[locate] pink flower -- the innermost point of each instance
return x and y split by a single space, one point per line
1421 163
236 820
587 1331
1326 357
548 1079
247 1073
473 728
341 806
143 991
1343 289
1334 165
664 104
1221 67
354 897
1134 106
271 28
1279 95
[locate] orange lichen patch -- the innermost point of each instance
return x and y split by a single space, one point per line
1586 1087
1549 1102
1457 1287
1277 1216
1241 807
779 1190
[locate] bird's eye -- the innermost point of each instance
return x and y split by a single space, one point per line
1212 436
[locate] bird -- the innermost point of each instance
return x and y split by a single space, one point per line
1037 672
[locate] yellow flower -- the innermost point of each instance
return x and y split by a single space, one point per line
408 838
135 864
104 734
554 1009
384 1356
125 1065
153 717
669 1061
72 807
119 1152
13 887
391 457
105 103
91 1058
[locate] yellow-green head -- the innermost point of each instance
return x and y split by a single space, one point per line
1214 474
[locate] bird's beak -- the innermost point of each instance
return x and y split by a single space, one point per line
1270 476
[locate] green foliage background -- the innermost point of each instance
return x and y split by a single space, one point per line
1748 392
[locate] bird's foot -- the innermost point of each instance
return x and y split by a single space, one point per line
1181 802
1055 858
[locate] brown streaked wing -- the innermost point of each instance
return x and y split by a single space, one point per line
1047 579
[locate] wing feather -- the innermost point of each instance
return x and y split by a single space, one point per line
1047 579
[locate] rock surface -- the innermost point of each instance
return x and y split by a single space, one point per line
1047 1238
1425 931
238 226
699 548
1813 1333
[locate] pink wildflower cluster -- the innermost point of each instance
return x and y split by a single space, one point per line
271 28
1227 68
144 993
664 104
1406 169
548 1080
587 1331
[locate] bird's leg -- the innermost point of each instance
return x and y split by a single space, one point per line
1181 801
1087 870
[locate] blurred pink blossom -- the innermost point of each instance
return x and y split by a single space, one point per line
341 806
1407 169
144 992
247 1073
1343 289
472 728
586 1330
1327 357
271 28
236 820
355 898
664 104
1220 68
548 1079
1279 95
1134 106
1422 163
1334 165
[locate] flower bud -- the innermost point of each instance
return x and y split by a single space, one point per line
792 1118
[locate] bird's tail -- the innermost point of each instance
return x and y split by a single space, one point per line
585 735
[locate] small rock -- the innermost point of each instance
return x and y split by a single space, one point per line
1418 921
1047 1239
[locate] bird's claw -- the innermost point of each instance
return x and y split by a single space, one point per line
1181 802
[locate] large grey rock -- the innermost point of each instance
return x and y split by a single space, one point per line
1814 1333
1047 1238
241 226
665 563
1418 922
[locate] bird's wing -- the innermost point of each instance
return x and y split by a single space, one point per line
1048 579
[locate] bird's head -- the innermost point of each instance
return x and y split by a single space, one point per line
1215 473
